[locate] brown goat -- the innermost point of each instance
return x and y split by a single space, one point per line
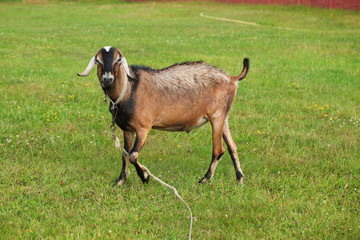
180 97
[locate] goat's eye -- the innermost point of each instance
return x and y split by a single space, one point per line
117 61
99 61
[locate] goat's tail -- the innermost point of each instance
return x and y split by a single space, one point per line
246 65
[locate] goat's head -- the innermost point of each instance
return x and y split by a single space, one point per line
107 59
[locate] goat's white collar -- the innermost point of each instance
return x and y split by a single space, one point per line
122 93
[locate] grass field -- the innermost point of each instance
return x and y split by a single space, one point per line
295 121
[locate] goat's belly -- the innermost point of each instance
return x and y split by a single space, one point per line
181 126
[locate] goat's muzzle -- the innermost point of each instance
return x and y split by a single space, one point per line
107 79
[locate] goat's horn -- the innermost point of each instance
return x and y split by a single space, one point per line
88 68
126 67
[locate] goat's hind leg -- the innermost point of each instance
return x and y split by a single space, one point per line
232 151
218 149
128 141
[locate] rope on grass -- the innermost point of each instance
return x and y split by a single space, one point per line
351 31
176 194
248 23
118 145
228 20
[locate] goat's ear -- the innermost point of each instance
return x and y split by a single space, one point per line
88 68
126 67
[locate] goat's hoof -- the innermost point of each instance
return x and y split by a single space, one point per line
203 180
240 181
121 179
239 177
145 178
119 182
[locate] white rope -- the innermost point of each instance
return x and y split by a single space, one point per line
176 194
117 145
283 28
249 23
228 20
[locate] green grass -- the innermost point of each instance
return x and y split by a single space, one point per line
295 120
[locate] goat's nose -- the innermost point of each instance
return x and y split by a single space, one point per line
107 81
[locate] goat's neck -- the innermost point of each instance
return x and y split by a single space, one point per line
119 89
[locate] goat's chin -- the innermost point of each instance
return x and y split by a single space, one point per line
105 87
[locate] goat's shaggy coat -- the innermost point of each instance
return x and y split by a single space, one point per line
180 97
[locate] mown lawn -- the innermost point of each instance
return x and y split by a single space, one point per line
295 121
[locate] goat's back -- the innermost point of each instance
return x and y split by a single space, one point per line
182 77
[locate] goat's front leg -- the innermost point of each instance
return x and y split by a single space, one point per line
134 154
128 142
218 149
